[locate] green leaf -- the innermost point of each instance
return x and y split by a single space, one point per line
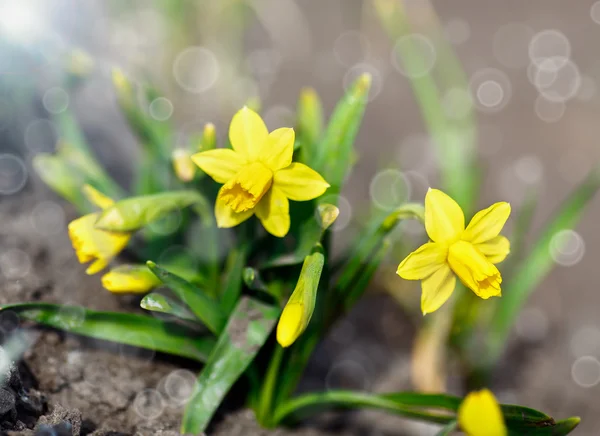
73 148
338 141
308 404
367 245
126 328
435 408
309 125
64 180
559 428
248 328
448 429
523 220
133 213
157 302
205 308
232 286
535 267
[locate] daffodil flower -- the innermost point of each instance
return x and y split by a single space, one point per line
92 244
258 175
470 254
480 415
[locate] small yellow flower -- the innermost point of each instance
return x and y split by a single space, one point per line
480 415
470 254
184 168
137 279
92 244
258 175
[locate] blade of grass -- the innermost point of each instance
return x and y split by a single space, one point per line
126 328
202 306
248 328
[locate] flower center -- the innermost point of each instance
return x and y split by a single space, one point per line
474 269
245 190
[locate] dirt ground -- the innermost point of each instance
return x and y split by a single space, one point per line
99 385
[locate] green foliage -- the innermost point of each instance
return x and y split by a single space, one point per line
228 288
126 328
202 306
249 326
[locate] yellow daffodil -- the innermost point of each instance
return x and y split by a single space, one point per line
136 279
470 254
480 415
184 168
258 175
92 244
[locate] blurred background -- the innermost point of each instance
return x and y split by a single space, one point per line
532 78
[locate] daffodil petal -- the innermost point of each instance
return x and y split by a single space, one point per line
248 133
436 289
480 415
444 219
278 149
227 217
91 243
487 224
474 270
496 249
97 266
423 262
222 164
273 211
299 182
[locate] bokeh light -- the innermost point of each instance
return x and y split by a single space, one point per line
196 69
586 371
567 247
490 89
13 174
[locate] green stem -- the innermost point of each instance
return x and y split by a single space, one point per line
265 405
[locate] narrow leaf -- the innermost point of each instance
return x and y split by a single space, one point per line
435 408
205 308
126 328
448 429
310 125
369 244
157 302
232 287
308 404
338 140
248 328
62 179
